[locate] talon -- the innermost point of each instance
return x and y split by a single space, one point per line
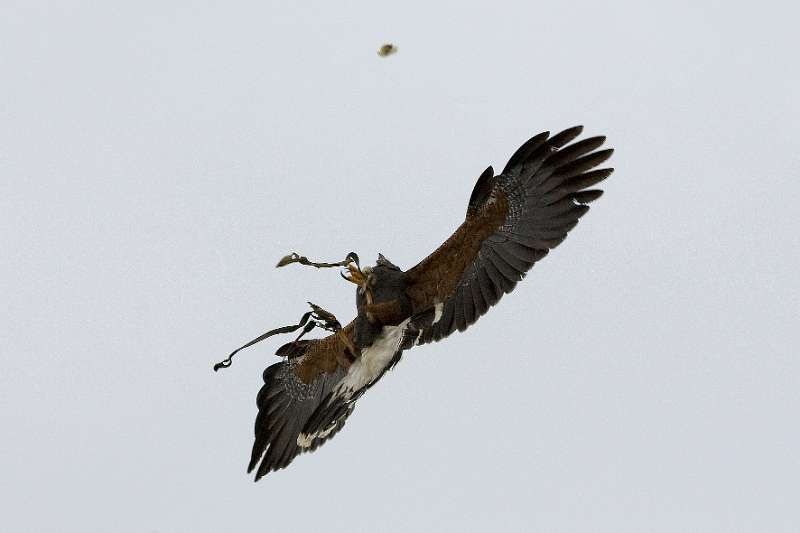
352 256
356 276
328 320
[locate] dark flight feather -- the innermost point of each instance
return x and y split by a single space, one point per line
542 190
513 220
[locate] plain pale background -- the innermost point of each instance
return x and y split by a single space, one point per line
158 158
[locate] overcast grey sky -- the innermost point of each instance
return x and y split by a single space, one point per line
156 159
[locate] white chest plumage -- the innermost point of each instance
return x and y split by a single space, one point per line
373 360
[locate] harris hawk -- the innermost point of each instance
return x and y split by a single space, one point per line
513 220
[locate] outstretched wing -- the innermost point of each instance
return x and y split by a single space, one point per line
294 390
513 220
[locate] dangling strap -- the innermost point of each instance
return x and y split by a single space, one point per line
304 323
303 260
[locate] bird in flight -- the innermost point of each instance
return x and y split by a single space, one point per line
513 220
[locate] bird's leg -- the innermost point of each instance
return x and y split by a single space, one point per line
324 319
356 275
327 321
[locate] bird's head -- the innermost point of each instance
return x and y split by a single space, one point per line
385 263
